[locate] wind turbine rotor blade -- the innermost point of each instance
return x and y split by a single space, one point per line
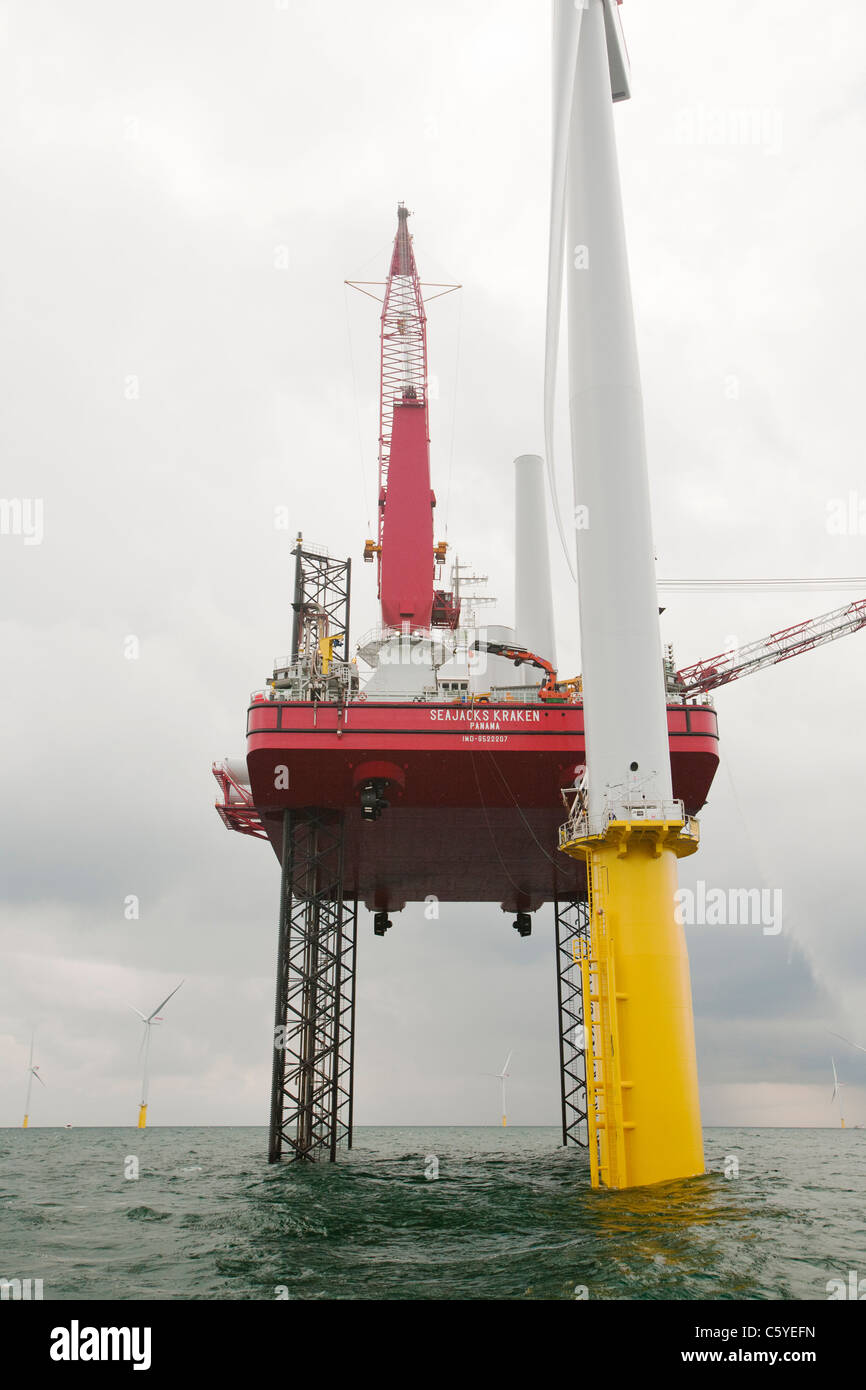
163 1004
35 1071
507 1060
847 1040
137 1011
566 39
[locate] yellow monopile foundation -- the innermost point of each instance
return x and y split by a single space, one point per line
642 1085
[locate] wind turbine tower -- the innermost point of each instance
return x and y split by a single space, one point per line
149 1020
642 1085
31 1072
837 1090
503 1077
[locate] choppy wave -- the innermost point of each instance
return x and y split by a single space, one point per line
511 1215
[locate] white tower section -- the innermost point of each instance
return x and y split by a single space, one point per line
533 600
624 697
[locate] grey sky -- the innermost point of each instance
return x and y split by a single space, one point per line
167 385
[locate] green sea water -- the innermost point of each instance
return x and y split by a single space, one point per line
511 1215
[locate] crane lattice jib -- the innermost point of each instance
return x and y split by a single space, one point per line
779 646
404 346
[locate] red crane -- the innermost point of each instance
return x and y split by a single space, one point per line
406 555
708 675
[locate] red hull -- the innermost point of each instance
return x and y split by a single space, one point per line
495 771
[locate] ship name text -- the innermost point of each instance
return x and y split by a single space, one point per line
486 716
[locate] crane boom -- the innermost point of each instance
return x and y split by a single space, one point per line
520 656
407 560
403 345
405 536
707 675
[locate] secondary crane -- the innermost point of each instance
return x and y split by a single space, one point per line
709 674
550 691
704 676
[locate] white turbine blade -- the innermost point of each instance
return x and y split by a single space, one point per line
163 1004
567 19
847 1040
32 1035
507 1060
35 1071
137 1011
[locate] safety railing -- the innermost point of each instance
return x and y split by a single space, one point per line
635 809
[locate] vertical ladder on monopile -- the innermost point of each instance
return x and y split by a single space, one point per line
601 1012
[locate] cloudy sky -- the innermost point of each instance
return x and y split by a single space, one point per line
187 186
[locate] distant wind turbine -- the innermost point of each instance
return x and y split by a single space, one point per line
837 1089
502 1077
148 1022
31 1072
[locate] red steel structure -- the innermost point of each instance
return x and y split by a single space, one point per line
474 791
